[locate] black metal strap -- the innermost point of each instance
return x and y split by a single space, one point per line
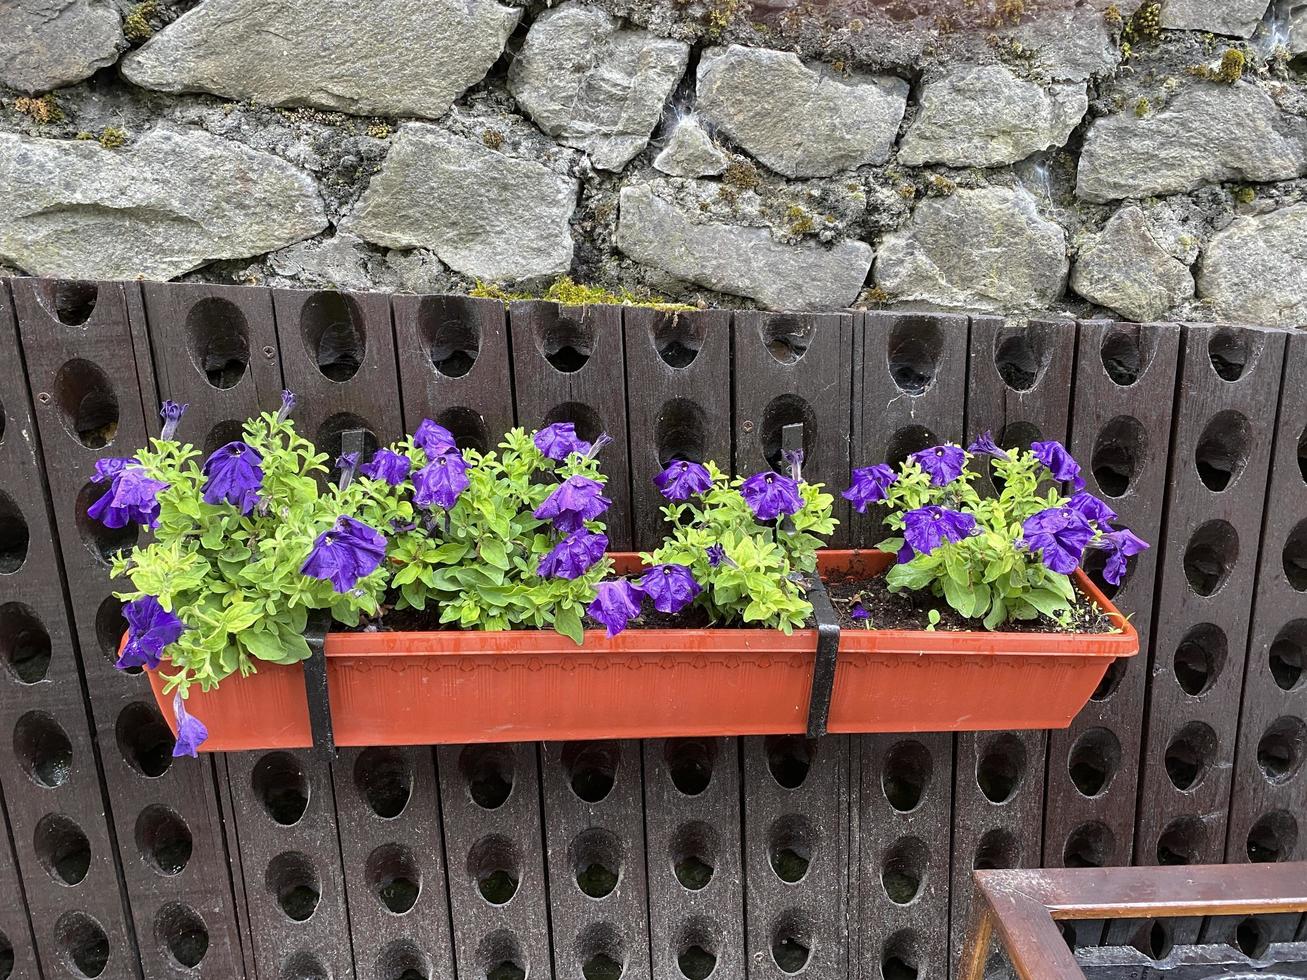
315 683
823 666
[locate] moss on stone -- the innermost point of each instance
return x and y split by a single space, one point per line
1144 27
136 24
1142 108
1245 195
742 175
568 292
111 137
1229 71
799 221
492 138
43 110
378 129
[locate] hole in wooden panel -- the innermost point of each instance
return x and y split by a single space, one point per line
1110 682
1020 358
1211 555
384 778
1222 450
467 426
791 941
82 943
787 338
1000 767
228 430
900 958
782 411
42 749
789 757
180 930
331 326
1199 658
694 849
913 354
145 739
596 859
566 342
1274 837
681 432
1121 357
218 340
452 334
163 839
1294 557
104 543
14 535
696 949
589 426
591 769
1093 760
1251 937
71 301
7 958
496 866
87 403
1280 750
110 625
1288 655
402 960
904 870
62 848
330 437
601 952
1229 353
1119 451
500 957
690 763
280 784
1091 845
997 850
393 874
1302 454
24 643
1068 934
1190 754
293 882
906 441
1093 563
488 771
906 775
790 843
304 966
678 339
1182 841
1154 939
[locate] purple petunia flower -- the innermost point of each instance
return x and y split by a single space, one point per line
434 440
1120 545
191 732
235 473
615 604
905 554
558 441
287 406
132 498
574 555
347 463
870 485
671 587
441 481
943 464
682 480
387 465
349 551
1060 534
573 502
859 611
771 495
1091 508
1059 462
109 467
794 462
926 528
716 554
985 445
150 628
171 413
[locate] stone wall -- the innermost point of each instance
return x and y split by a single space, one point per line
1015 156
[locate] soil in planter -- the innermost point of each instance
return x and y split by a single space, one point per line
910 611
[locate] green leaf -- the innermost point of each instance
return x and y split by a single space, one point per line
493 552
568 622
261 645
958 596
1048 603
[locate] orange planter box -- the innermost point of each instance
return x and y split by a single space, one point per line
458 687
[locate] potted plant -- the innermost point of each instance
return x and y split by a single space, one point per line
976 613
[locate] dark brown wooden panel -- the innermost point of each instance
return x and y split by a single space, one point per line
96 397
910 383
285 825
1120 433
338 357
498 899
795 368
796 856
594 853
696 879
678 400
568 366
454 366
18 960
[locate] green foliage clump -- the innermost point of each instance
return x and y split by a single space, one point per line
568 292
